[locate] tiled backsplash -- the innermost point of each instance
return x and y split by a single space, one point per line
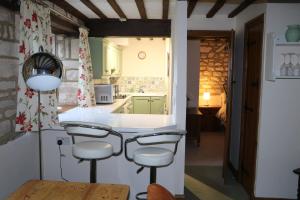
147 84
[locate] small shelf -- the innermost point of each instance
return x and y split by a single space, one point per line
276 46
287 77
287 44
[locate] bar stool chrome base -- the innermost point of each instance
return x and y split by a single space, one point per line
138 196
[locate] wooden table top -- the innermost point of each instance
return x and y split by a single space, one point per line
58 190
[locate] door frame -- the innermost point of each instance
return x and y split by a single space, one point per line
256 20
197 35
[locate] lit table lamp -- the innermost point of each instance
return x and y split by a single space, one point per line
206 97
42 72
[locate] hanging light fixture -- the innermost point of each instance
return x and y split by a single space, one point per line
42 71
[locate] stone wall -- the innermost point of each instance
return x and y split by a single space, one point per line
66 49
9 23
214 58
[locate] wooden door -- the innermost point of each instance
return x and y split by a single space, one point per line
251 100
230 82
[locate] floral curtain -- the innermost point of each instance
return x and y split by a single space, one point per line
35 31
86 92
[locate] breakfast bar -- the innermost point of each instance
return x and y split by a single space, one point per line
115 169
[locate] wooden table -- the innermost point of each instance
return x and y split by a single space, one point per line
58 190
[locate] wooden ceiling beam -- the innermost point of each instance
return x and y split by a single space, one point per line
117 8
94 8
141 7
131 27
191 6
165 11
70 9
60 25
217 6
13 5
240 8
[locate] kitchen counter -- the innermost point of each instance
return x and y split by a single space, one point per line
120 122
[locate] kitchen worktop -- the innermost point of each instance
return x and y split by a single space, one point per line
120 122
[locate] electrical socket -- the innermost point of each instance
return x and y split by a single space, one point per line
65 140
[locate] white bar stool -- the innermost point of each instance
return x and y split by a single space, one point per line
153 156
92 150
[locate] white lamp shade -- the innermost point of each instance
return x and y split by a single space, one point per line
43 82
206 96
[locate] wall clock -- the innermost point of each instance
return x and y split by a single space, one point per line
142 55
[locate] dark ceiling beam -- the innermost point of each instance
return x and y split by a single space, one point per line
59 25
13 5
94 8
70 9
141 7
217 6
131 27
191 6
165 13
117 8
240 8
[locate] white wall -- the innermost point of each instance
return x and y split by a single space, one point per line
19 163
278 135
218 22
251 12
193 70
179 50
154 63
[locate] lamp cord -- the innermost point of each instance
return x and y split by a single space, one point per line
60 164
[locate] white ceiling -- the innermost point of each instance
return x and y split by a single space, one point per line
153 8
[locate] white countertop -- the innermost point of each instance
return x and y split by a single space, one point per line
120 122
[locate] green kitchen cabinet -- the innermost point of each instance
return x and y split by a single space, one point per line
141 105
112 59
149 105
96 50
157 105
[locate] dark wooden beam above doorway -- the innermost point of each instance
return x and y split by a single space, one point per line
197 34
191 6
13 5
240 8
94 8
217 6
61 26
131 27
70 9
165 11
141 7
117 8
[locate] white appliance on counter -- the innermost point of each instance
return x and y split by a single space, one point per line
104 93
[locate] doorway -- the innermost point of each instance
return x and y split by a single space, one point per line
208 92
209 109
251 101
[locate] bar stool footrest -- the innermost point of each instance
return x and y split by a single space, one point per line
138 196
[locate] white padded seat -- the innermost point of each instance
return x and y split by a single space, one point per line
92 150
153 156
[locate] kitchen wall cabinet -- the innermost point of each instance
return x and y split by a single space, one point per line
112 59
149 105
